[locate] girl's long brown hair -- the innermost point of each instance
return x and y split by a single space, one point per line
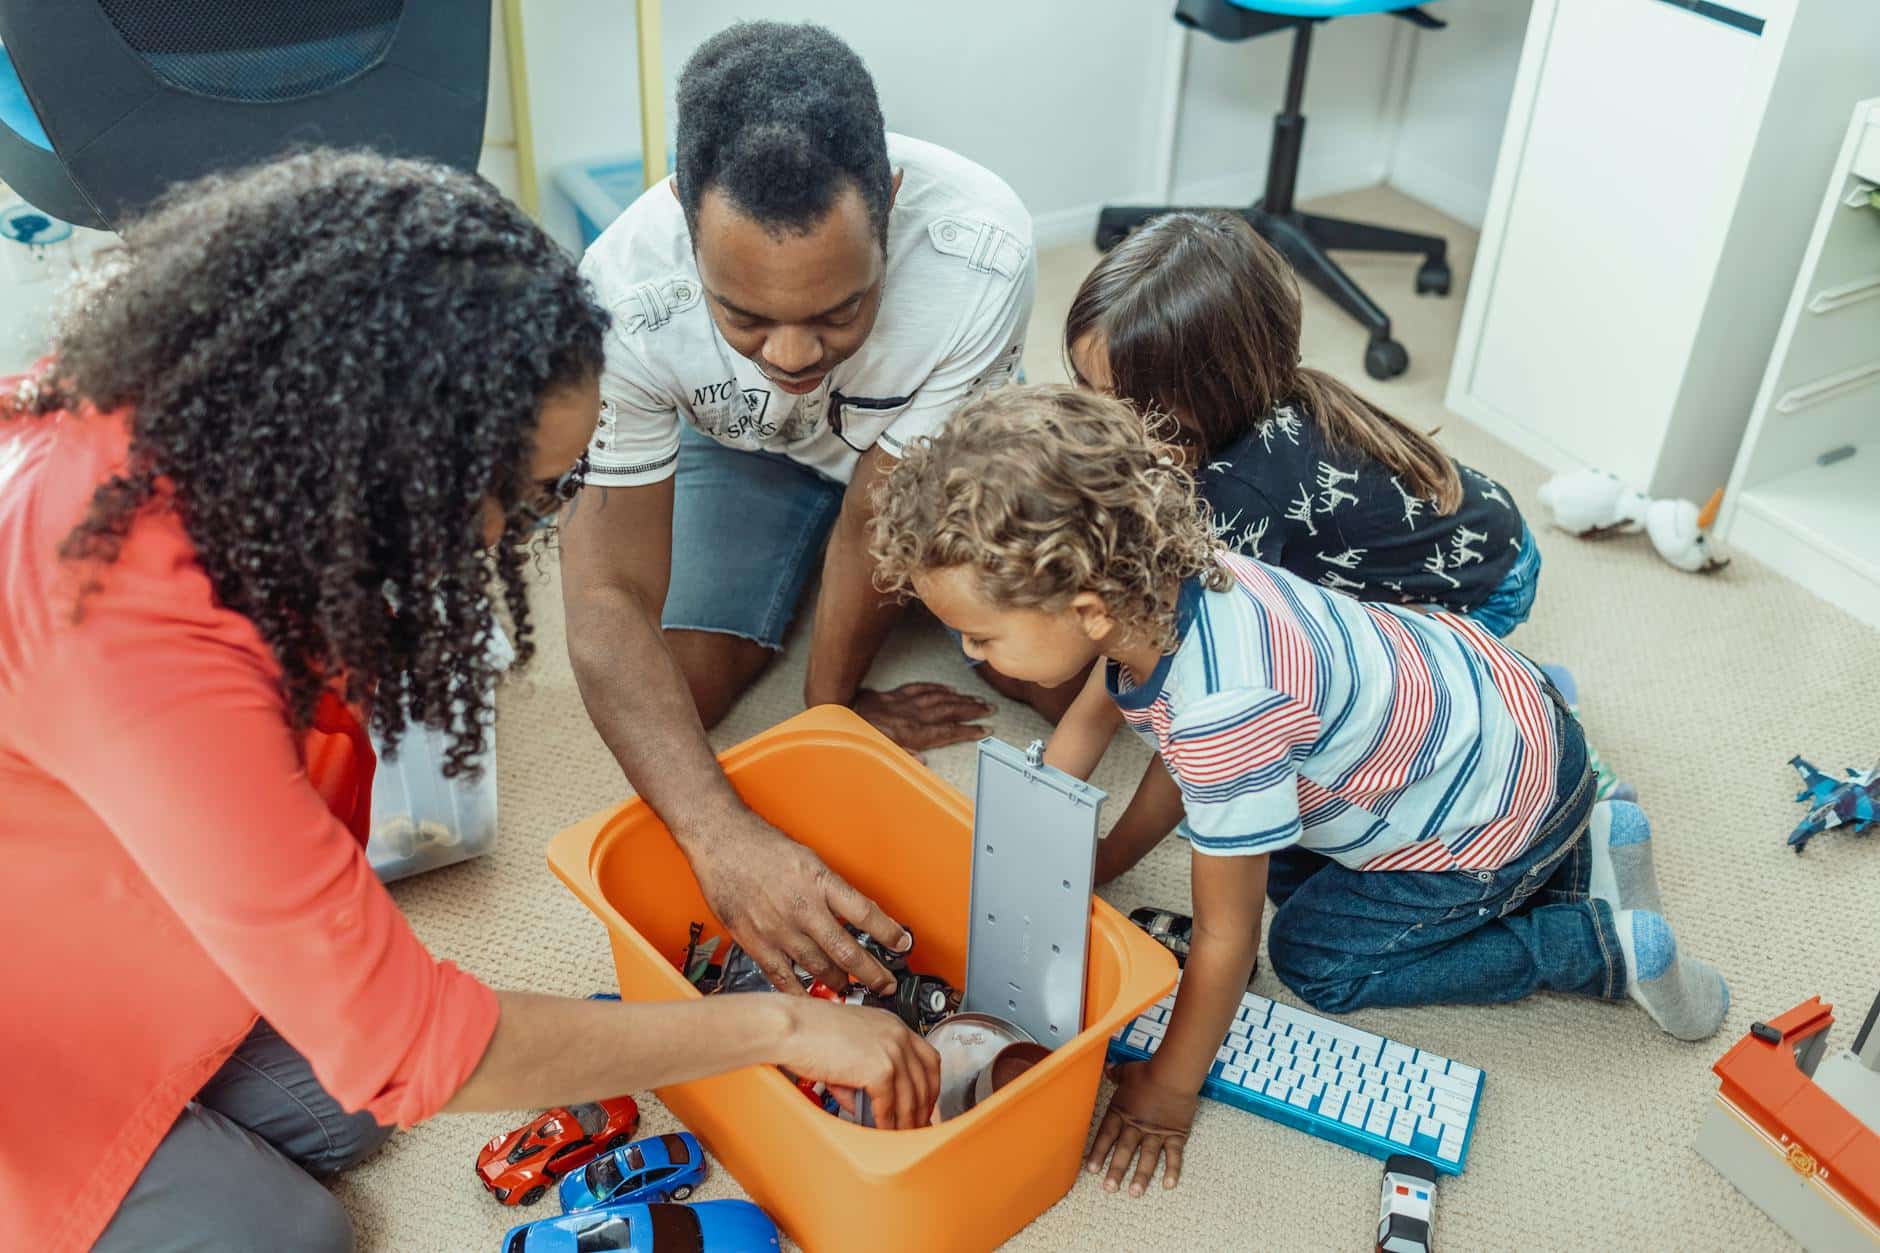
1199 318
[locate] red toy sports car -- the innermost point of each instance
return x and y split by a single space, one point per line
521 1165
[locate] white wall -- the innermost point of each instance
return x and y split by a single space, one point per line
1062 98
1461 80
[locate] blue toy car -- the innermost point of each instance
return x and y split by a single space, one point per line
658 1168
708 1227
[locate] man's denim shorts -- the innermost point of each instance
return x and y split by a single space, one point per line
748 530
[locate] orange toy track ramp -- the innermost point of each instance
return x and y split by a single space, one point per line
1787 1145
903 837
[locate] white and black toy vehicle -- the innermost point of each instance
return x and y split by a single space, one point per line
1409 1205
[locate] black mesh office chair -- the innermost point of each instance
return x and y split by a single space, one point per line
104 103
1304 238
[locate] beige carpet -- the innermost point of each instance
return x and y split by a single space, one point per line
1698 689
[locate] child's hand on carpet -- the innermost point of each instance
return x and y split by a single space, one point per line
1147 1120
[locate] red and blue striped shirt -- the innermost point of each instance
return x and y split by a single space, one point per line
1384 738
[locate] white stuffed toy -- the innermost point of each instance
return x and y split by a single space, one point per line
1592 502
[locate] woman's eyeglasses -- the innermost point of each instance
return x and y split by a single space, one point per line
541 509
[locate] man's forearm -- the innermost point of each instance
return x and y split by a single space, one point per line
637 697
852 619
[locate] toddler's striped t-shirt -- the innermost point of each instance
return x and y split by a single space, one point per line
1379 736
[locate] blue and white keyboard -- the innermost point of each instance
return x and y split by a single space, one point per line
1331 1080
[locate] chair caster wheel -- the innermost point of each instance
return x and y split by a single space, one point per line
1433 279
1113 229
1385 359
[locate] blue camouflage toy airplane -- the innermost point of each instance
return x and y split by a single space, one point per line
1850 802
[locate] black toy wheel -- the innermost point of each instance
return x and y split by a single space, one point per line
681 1192
1433 279
532 1195
1385 359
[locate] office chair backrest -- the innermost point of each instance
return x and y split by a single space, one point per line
134 95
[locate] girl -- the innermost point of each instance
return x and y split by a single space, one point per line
1420 791
292 396
1196 317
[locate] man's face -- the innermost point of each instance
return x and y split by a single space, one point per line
796 305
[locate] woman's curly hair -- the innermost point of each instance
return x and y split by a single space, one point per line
328 362
1045 492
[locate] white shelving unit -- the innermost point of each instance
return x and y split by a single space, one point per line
1657 175
1805 494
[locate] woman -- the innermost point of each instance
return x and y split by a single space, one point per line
295 434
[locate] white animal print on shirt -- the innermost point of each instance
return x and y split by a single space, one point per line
1301 511
1437 566
1339 583
1460 552
1331 494
1285 421
1347 560
1252 536
1412 505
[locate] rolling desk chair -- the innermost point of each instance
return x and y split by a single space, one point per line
1305 238
105 103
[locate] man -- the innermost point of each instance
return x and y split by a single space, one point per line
806 296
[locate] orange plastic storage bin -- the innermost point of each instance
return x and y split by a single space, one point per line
898 833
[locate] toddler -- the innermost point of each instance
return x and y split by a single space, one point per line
1413 795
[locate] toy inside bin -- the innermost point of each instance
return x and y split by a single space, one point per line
902 836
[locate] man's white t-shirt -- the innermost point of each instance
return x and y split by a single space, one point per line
956 296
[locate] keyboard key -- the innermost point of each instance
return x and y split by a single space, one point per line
1468 1074
1299 1097
1452 1083
1140 1040
1152 1028
1396 1052
1155 1042
1452 1144
1234 1075
1421 1091
1429 1127
1312 1087
1333 1103
1422 1108
1374 1091
1378 1124
1396 1100
1403 1127
1459 1105
1224 1054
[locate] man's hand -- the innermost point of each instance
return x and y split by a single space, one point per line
785 907
920 716
1147 1121
850 1048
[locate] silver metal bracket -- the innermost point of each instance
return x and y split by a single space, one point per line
1034 852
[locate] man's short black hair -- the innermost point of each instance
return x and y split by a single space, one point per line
780 117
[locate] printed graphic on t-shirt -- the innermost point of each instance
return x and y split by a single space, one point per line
1284 494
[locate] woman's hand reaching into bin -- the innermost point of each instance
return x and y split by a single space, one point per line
849 1048
785 907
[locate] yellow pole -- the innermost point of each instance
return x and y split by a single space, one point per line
519 109
652 97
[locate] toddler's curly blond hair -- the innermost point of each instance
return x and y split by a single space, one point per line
1045 492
